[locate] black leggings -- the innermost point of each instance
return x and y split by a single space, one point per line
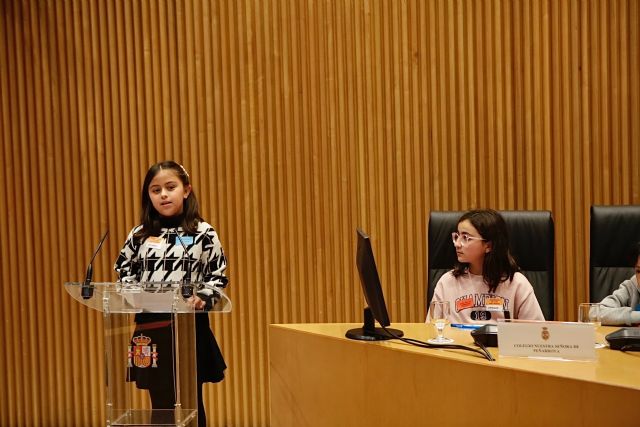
166 399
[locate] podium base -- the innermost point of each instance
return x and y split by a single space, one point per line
157 417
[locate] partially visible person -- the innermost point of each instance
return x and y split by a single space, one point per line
622 307
485 282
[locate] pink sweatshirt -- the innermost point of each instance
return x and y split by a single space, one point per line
467 296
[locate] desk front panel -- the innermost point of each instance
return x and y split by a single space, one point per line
320 378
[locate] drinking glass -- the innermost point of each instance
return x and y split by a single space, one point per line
590 313
439 317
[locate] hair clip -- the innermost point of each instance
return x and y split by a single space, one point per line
185 171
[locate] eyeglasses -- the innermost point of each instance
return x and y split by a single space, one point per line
466 238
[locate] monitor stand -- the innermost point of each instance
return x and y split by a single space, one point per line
369 332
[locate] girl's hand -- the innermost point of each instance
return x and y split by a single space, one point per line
196 302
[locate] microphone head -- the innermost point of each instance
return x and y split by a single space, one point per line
87 287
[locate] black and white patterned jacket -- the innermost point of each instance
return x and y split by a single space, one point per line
162 258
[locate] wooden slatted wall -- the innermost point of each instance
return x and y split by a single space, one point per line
298 122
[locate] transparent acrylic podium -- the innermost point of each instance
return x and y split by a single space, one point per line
127 405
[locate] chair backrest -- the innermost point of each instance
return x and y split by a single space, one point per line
531 238
614 231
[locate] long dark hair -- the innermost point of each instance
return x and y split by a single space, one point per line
498 264
151 219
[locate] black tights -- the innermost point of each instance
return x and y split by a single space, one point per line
165 399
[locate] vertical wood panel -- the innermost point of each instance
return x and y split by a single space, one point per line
298 121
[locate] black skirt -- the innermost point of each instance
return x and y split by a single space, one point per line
152 355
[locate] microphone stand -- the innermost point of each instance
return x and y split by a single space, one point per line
186 288
87 287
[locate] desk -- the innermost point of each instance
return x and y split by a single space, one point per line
320 378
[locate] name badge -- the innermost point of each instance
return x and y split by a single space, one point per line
493 303
155 242
186 240
555 340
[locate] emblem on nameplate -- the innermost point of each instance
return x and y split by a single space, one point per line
143 353
545 333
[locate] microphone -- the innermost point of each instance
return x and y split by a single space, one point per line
87 287
187 291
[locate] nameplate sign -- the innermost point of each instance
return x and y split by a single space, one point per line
554 340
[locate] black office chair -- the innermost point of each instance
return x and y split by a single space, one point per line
531 238
614 231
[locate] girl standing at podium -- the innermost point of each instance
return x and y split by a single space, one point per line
155 252
485 282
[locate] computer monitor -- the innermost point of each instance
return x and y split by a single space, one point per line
376 308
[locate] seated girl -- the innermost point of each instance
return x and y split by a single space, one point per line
622 307
485 284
